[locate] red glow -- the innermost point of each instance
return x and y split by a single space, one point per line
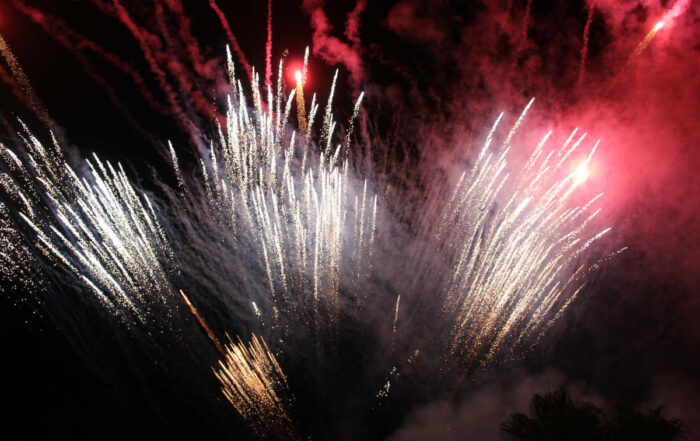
294 71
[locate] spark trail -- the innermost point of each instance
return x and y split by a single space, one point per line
97 228
203 324
678 9
301 106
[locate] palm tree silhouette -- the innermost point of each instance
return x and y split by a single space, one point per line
554 416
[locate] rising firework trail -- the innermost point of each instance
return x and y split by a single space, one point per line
300 77
644 43
678 9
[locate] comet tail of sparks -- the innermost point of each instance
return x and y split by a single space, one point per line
644 43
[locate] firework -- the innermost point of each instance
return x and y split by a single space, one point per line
253 382
97 227
293 202
283 204
678 9
301 223
644 43
511 247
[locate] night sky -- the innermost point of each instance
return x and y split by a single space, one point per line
436 74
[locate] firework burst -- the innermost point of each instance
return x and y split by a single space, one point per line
511 247
275 225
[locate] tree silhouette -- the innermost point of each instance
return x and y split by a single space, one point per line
635 425
554 416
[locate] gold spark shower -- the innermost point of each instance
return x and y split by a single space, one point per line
253 382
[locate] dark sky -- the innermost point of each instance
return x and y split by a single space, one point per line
436 73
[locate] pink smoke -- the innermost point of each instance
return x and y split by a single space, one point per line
232 39
352 25
268 48
332 49
75 41
679 8
148 42
203 67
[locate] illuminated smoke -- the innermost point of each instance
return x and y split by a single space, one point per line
331 48
584 48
